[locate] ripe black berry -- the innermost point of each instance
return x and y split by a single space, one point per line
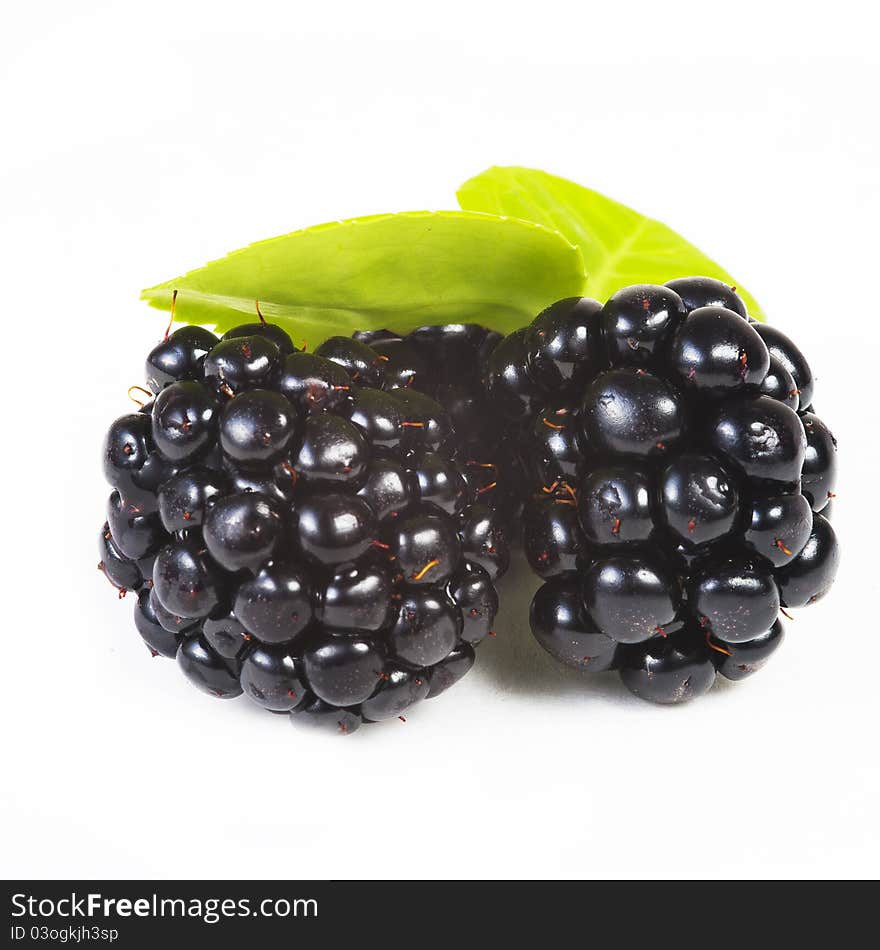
324 547
440 483
673 496
127 447
379 415
401 363
424 422
456 345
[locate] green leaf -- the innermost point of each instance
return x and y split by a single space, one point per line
619 245
394 271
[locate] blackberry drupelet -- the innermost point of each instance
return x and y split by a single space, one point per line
676 472
304 528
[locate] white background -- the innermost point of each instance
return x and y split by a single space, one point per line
142 140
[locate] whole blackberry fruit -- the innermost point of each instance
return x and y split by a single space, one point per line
306 529
676 474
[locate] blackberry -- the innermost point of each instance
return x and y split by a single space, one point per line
305 528
676 477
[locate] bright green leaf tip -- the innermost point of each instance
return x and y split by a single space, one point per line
391 271
619 245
